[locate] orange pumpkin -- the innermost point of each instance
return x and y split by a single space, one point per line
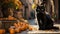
27 25
23 28
19 24
2 31
15 25
30 28
11 18
20 29
11 33
11 30
17 30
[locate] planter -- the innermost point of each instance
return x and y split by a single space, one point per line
7 23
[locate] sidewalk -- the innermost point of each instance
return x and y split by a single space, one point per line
44 31
33 24
36 31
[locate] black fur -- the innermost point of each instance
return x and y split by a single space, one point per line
46 21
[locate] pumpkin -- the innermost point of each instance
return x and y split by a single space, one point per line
19 24
11 18
30 28
23 27
15 25
17 30
27 25
11 30
20 29
2 31
11 33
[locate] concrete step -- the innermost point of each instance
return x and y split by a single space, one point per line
44 31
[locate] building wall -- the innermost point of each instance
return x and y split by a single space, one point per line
54 10
29 9
30 3
56 7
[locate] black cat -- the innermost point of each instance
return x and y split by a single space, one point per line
44 20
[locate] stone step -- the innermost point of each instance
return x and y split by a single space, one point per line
45 31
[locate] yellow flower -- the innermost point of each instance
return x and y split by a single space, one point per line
16 7
33 6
